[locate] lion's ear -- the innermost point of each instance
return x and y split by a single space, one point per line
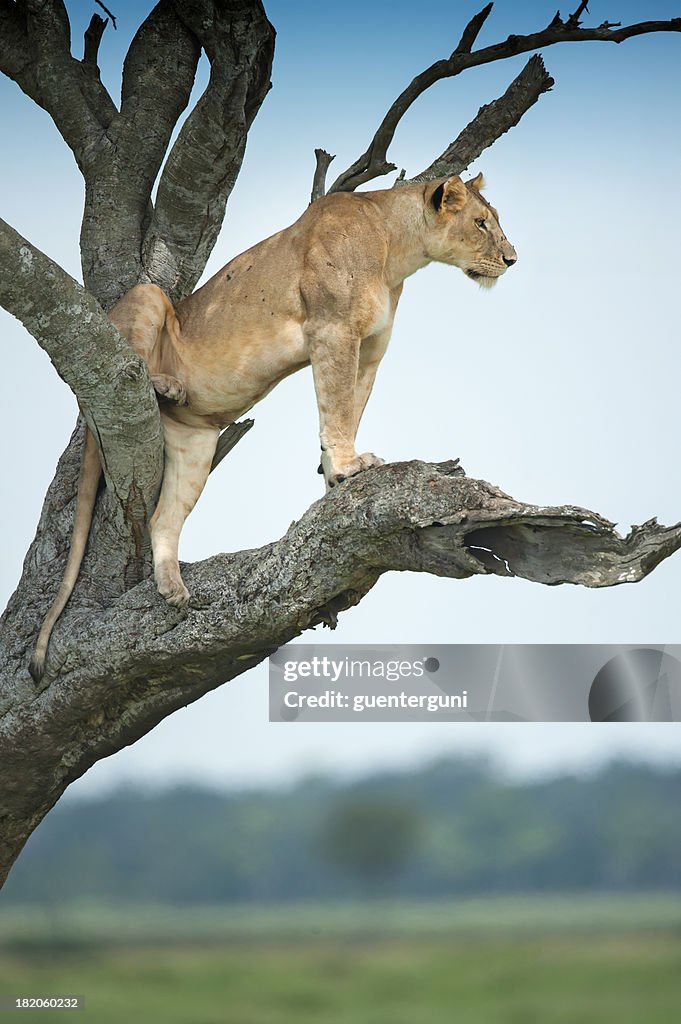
478 182
451 195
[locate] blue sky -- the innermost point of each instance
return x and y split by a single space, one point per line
559 386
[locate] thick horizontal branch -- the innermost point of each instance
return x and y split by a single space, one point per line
102 690
109 380
491 122
374 161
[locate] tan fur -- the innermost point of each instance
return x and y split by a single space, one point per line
322 292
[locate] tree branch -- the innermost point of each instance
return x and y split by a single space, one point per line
158 76
109 380
374 161
573 21
107 11
120 154
228 439
491 122
472 30
35 53
92 39
206 158
103 691
319 180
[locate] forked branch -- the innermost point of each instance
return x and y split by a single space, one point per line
205 159
374 161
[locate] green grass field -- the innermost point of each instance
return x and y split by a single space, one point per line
505 961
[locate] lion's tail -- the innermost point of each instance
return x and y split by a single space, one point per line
88 482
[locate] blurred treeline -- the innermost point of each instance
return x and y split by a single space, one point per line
448 829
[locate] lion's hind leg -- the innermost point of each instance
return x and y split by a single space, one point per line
145 316
169 389
189 454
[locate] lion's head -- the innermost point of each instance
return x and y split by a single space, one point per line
464 230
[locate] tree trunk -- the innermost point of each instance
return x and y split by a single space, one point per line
120 658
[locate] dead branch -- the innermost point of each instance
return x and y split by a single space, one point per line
92 39
491 122
374 161
107 11
319 180
573 21
472 30
230 437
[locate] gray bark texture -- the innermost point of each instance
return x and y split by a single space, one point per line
120 658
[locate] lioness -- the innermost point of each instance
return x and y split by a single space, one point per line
322 292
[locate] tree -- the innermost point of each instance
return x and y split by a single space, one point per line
372 839
416 516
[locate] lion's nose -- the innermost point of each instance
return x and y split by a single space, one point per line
510 260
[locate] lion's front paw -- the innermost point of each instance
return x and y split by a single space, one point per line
169 389
339 471
171 587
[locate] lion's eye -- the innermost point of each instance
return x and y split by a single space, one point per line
482 224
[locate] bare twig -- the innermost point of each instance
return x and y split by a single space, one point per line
230 437
319 181
472 30
107 11
491 122
374 161
573 21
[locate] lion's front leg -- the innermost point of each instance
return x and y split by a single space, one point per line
371 352
334 355
189 453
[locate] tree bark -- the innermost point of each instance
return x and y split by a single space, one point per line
118 668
